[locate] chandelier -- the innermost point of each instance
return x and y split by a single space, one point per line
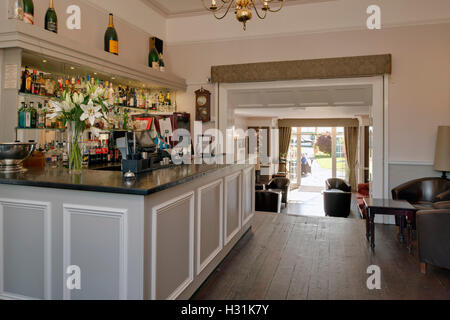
242 8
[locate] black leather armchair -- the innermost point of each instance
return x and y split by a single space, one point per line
336 203
280 184
337 198
339 184
268 201
434 237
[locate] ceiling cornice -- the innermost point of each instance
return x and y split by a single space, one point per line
155 5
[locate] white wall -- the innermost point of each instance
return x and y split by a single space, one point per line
137 13
307 18
135 24
419 99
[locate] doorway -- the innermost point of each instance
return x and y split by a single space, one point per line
265 99
315 155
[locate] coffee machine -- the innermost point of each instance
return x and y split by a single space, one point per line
141 154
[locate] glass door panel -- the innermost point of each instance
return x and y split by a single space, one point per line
341 160
292 163
316 156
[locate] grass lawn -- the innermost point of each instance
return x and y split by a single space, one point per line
325 163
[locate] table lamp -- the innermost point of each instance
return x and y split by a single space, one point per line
442 153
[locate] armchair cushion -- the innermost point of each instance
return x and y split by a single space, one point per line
363 189
442 205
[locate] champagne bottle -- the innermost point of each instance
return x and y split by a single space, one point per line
111 39
153 57
28 11
51 20
162 66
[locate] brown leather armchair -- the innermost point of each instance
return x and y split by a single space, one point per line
280 184
434 237
422 194
267 201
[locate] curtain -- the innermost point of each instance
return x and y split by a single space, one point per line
285 140
351 147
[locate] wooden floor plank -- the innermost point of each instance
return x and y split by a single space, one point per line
300 257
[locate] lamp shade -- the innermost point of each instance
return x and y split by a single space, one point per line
442 154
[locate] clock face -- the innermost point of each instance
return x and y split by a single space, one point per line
201 101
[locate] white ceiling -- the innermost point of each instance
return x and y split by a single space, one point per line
171 8
316 102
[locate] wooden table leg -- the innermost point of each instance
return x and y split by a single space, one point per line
367 225
402 221
372 230
409 224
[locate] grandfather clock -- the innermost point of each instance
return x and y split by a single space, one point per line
203 105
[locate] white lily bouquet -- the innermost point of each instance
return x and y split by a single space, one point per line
75 109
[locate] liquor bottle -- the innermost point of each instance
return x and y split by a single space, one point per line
28 11
49 123
153 57
33 115
33 81
22 115
127 97
162 66
105 151
143 100
23 85
92 154
111 39
134 98
40 117
64 155
42 85
28 81
85 157
111 94
51 20
15 9
98 152
27 117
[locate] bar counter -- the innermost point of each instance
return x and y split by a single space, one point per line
111 181
158 237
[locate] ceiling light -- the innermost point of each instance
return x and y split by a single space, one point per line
44 61
242 8
72 68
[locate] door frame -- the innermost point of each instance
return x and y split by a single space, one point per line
379 120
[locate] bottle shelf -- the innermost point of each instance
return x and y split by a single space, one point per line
32 95
145 110
49 129
149 111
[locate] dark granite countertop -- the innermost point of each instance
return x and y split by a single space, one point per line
111 181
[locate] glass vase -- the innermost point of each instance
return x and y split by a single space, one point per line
74 139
